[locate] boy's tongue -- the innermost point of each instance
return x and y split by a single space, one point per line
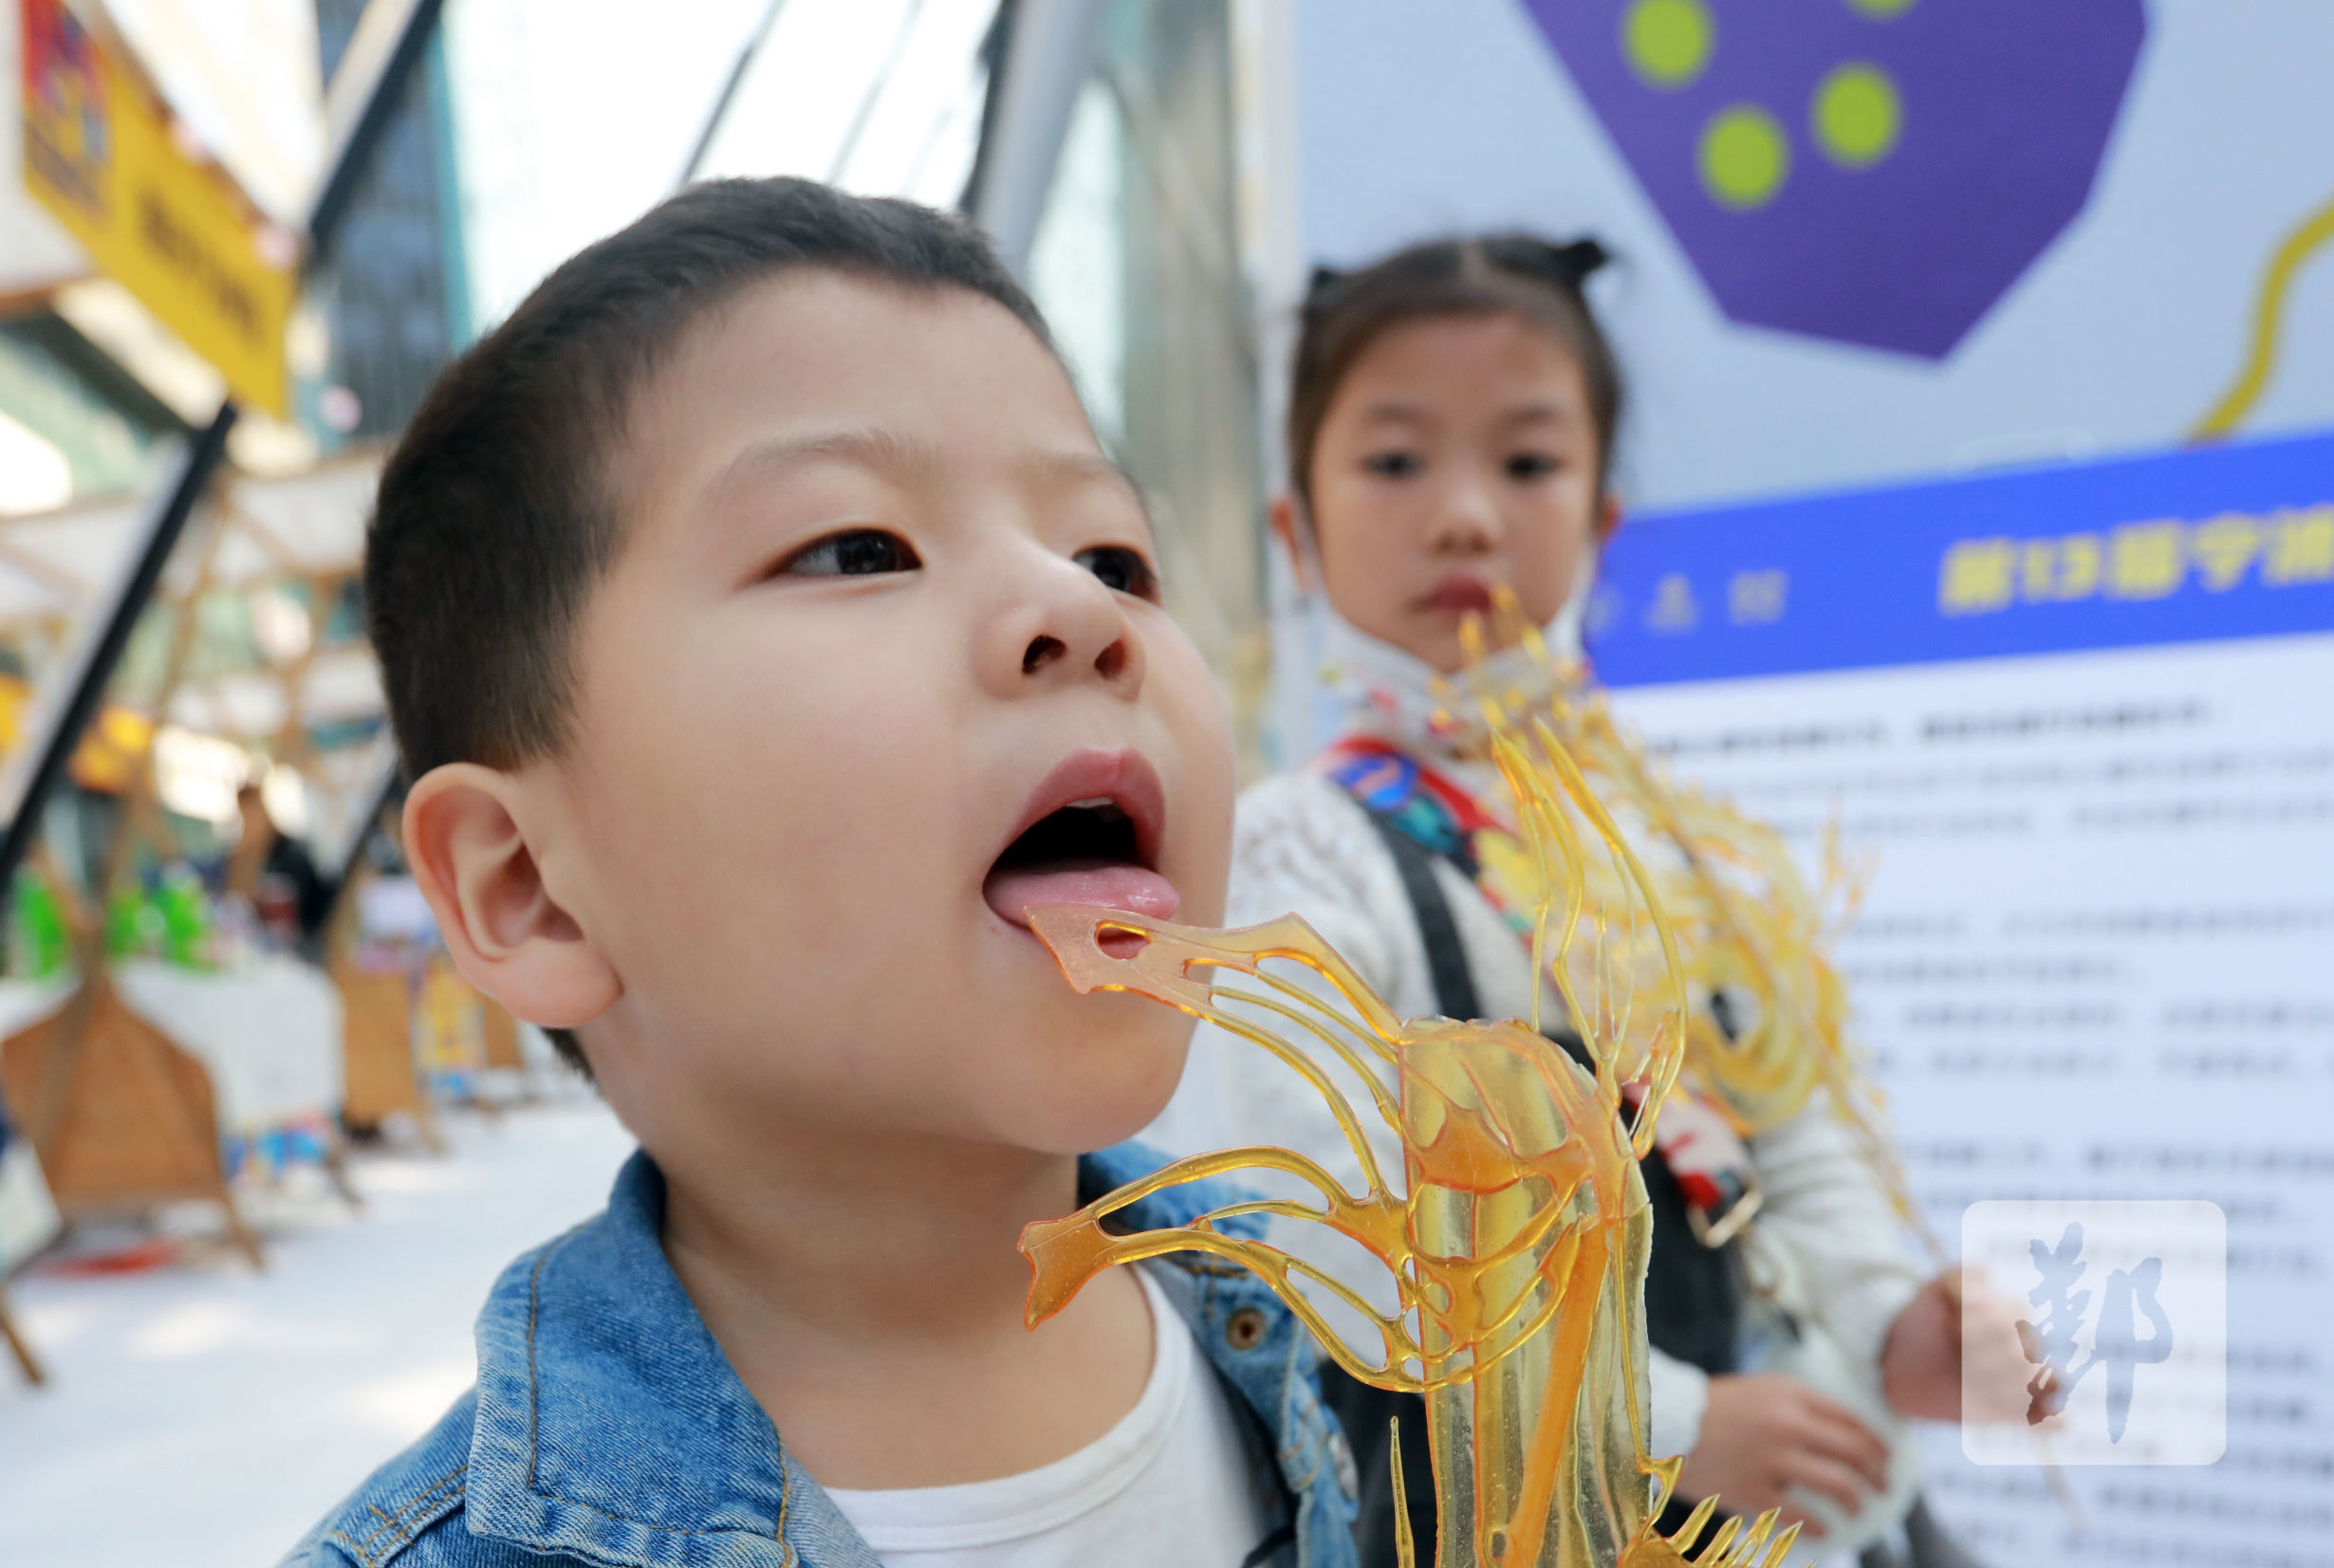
1012 891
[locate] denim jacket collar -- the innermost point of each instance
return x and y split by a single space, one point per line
610 1426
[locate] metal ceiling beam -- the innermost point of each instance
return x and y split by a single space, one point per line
1047 50
737 78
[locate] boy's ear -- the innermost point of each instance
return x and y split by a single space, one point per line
464 841
1608 517
1290 526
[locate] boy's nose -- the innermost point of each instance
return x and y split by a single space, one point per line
1072 629
1047 649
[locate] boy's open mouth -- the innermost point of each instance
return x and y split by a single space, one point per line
1090 836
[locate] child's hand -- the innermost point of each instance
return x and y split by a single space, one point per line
1766 1432
1921 1363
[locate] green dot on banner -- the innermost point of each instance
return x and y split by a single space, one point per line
1745 156
1857 116
1881 11
1667 42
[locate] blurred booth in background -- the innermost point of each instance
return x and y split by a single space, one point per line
195 741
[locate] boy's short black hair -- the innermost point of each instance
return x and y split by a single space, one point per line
496 516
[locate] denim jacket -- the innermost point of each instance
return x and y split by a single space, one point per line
608 1428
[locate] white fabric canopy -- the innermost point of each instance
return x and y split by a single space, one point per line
52 564
28 1215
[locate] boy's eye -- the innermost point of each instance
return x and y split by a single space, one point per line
1122 570
856 552
1394 465
1531 465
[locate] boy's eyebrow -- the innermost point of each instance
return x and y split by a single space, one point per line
885 452
1094 468
904 457
1085 468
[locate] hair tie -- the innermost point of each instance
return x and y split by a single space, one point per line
1325 281
1566 265
1581 257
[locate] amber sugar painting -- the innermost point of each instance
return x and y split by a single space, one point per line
1768 1031
1517 1235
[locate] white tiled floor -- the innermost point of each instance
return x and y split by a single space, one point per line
207 1415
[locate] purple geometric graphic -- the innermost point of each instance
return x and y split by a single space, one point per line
1874 172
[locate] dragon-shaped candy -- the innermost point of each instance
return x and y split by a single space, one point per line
1517 1240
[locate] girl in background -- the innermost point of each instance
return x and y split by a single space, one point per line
1450 430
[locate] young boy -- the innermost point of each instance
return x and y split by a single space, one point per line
766 632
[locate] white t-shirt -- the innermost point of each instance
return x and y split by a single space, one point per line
1169 1486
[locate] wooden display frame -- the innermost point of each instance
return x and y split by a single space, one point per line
499 1028
25 1361
120 1117
377 1034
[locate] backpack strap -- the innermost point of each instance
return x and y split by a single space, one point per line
1693 1294
1446 956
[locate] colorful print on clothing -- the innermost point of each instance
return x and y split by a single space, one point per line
1427 808
1708 1157
1698 1140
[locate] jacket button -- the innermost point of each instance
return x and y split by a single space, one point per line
1245 1329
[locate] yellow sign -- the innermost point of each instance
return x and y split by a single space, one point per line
111 750
101 155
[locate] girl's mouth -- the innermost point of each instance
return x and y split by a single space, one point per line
1457 594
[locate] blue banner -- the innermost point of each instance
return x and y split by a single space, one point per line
2187 546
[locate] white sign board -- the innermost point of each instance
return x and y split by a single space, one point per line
2096 956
